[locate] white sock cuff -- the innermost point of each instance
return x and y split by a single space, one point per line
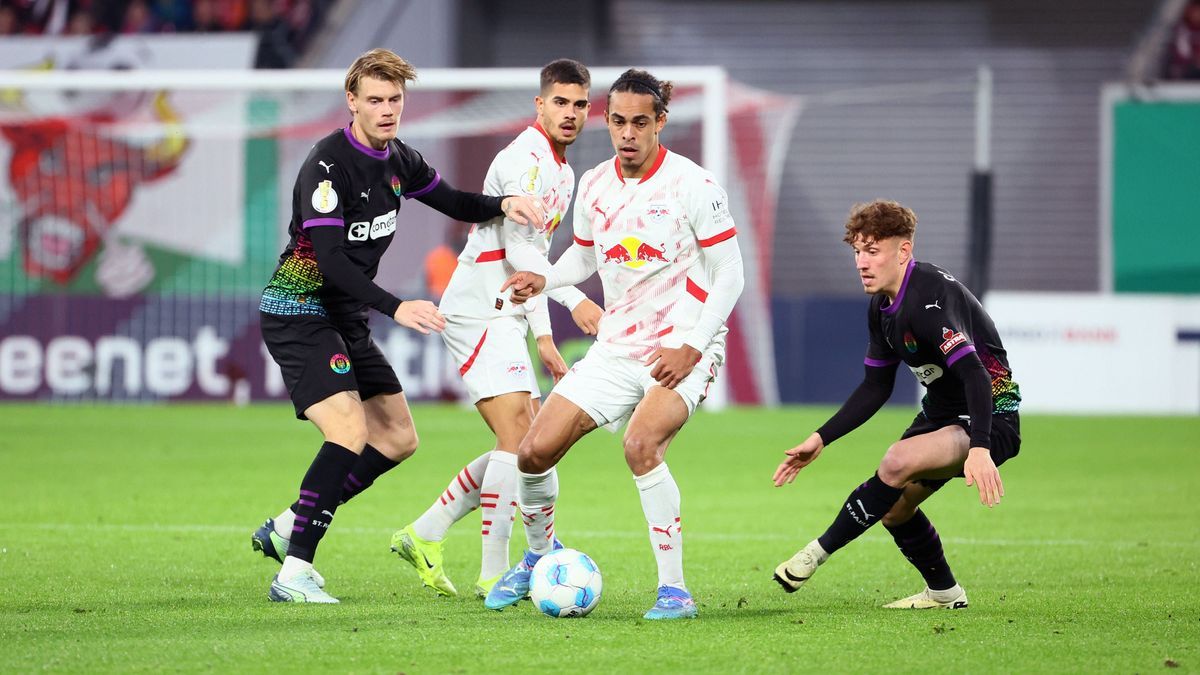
504 457
653 477
538 489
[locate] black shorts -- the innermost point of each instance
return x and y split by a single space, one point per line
320 357
1005 438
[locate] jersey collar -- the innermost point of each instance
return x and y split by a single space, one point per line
366 150
561 159
662 154
891 309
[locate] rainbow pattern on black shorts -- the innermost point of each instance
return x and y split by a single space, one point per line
293 288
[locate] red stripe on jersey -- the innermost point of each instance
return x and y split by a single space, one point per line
488 505
492 256
472 480
450 495
718 238
467 366
486 522
664 331
489 495
462 484
584 242
697 292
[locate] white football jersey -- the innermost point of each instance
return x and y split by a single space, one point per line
647 235
528 166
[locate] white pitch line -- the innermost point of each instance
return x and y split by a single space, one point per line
592 534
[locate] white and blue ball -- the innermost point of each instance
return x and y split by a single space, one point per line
565 583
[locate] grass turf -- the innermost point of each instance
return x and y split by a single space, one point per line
124 546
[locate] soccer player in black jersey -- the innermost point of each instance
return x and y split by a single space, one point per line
968 425
314 310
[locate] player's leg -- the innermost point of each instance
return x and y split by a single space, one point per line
341 420
558 425
922 547
509 416
312 356
917 538
935 454
654 424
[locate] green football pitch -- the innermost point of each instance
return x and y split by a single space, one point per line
125 546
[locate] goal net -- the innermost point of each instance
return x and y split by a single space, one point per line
142 211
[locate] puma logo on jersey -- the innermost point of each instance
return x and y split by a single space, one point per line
935 304
366 195
325 166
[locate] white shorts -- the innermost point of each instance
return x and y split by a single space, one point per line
608 387
491 355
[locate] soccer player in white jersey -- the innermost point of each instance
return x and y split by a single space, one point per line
485 333
658 229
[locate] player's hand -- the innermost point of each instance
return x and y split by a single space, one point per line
797 458
981 471
674 364
523 210
587 316
420 315
524 286
551 358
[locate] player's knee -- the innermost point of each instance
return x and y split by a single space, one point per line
531 455
350 435
895 467
640 453
399 443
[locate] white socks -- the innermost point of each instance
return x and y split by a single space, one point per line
498 500
538 492
284 523
460 498
292 567
660 503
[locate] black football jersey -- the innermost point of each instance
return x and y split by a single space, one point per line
933 322
345 184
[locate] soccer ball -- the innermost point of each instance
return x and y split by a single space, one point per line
565 583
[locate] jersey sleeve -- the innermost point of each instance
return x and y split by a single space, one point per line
516 175
418 177
578 262
711 219
949 330
321 186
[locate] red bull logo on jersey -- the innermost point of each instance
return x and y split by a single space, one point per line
517 369
633 252
657 212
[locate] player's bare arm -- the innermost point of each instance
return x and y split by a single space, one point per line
420 315
981 471
797 458
587 316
